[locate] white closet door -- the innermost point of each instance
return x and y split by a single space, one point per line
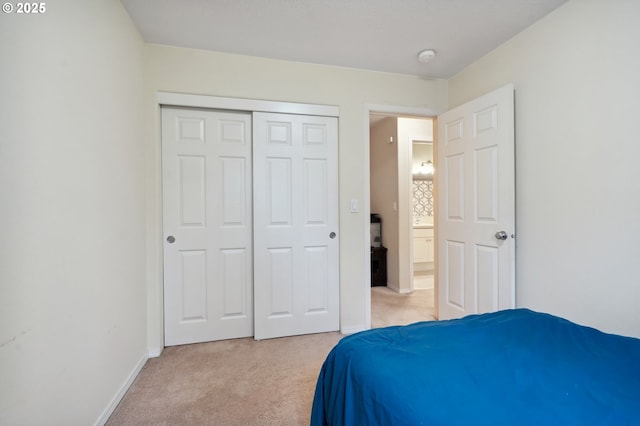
295 224
207 223
476 209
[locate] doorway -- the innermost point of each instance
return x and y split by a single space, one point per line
475 226
394 191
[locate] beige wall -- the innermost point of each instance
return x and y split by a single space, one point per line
577 93
384 190
72 190
207 73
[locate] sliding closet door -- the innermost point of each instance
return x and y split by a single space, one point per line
207 224
296 273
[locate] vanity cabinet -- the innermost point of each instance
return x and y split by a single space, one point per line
423 245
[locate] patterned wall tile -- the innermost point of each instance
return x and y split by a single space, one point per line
422 198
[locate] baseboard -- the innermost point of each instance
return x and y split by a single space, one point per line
155 352
352 330
400 290
123 390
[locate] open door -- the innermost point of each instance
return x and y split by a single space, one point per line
476 208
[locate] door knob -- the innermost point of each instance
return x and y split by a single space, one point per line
332 235
501 235
171 239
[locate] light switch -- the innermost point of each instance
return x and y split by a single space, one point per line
354 206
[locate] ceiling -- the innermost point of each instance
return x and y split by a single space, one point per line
380 35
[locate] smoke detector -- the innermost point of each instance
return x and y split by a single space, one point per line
426 55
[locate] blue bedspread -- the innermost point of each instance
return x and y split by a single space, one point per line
514 367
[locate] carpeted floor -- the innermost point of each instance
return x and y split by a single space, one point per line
391 308
248 382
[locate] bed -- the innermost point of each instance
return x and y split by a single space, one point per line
512 367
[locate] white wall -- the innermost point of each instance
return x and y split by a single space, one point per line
72 277
577 83
421 152
207 73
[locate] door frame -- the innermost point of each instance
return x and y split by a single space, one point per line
412 140
155 306
390 110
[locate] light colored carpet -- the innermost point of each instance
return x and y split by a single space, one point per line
391 308
247 382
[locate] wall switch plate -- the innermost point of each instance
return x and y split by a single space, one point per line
354 206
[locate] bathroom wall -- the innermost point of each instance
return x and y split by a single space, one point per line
422 198
422 190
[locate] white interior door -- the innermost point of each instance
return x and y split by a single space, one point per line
296 283
207 223
476 208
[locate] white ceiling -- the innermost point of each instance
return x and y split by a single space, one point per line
380 35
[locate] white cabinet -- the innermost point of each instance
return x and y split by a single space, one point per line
423 245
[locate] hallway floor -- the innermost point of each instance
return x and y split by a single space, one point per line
391 308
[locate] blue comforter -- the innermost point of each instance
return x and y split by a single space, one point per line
514 367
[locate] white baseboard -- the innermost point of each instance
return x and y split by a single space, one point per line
393 288
400 290
123 390
352 330
155 352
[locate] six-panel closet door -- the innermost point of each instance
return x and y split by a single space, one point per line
207 224
296 276
250 222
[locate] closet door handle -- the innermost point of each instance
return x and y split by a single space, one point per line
332 235
171 239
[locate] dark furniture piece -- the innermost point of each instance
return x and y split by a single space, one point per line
378 266
378 253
